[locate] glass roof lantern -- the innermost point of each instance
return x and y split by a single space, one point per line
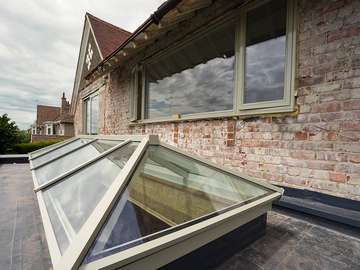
116 202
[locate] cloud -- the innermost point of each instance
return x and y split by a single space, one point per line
197 78
39 47
265 67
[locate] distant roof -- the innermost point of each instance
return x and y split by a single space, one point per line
46 113
108 36
65 118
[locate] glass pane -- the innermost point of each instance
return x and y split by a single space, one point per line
88 116
94 114
72 160
70 202
59 151
169 191
194 79
40 151
265 52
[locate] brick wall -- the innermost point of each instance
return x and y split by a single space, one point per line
316 149
37 138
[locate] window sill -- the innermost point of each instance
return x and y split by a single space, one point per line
244 114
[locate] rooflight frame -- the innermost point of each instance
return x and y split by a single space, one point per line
50 148
167 247
61 155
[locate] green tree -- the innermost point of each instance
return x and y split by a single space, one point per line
8 133
23 136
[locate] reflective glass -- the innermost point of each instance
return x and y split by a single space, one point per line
59 151
88 116
167 192
45 149
94 114
265 52
196 78
72 160
70 202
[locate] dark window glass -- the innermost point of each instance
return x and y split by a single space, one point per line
265 52
92 115
196 78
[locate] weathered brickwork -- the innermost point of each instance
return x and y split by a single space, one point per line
317 149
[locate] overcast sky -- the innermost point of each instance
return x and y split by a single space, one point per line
39 46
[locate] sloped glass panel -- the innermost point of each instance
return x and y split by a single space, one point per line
70 202
168 192
45 149
72 160
59 151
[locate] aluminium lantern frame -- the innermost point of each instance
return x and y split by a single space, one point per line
154 253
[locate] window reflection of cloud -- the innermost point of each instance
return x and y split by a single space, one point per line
265 63
206 87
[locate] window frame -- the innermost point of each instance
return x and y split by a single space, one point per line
88 101
273 106
287 104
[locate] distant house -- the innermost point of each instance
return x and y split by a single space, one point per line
53 123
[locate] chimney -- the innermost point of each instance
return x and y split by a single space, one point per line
65 106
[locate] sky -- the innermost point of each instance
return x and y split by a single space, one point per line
39 47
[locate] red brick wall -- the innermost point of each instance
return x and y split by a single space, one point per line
317 149
36 138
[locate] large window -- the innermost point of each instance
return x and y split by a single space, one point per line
196 78
91 106
240 67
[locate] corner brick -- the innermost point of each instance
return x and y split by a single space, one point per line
326 107
300 136
352 105
337 177
355 158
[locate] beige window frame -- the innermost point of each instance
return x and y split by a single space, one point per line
86 102
239 108
275 106
135 93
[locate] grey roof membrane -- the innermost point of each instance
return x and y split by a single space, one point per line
290 242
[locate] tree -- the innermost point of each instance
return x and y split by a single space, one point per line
23 136
8 133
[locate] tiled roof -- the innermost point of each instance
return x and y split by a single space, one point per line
65 118
46 113
109 37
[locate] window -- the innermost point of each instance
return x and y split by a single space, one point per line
48 129
135 97
110 201
239 67
265 71
91 122
197 78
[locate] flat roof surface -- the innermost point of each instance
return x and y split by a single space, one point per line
22 239
291 241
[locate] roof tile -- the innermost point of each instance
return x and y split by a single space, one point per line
109 37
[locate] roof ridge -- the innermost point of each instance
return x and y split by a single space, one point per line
107 23
49 106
